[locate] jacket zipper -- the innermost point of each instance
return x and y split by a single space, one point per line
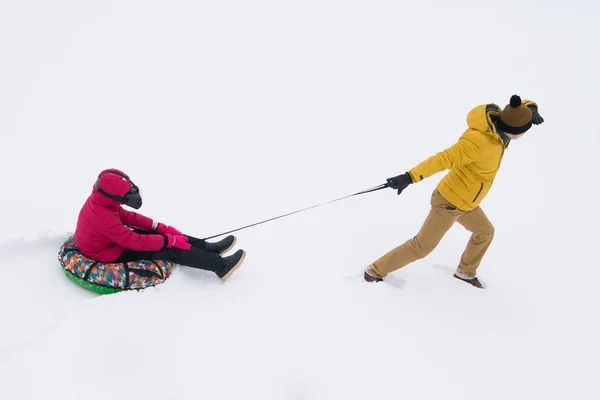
478 193
504 146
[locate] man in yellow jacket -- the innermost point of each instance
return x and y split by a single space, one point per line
473 162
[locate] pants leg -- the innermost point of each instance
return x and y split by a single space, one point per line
478 223
197 243
440 219
194 257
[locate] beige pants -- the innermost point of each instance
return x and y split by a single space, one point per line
440 219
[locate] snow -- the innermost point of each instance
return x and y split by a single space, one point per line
227 113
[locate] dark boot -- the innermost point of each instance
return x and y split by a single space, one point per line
232 263
221 247
372 278
473 281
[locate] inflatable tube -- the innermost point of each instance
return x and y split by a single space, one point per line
109 278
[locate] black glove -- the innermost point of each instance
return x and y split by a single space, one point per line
399 182
537 118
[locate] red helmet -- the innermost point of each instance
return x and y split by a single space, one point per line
116 185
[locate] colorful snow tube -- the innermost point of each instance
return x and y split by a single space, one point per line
108 278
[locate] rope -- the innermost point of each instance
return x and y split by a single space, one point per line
374 189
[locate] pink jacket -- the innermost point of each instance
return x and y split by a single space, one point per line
103 227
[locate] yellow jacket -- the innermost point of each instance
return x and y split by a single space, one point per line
473 161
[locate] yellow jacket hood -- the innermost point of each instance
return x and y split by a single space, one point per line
481 118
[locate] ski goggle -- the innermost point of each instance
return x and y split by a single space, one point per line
133 197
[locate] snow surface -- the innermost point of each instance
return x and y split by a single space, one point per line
230 112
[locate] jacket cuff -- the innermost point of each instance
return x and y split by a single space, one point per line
412 175
530 103
154 226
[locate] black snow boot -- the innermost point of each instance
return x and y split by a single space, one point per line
232 263
473 281
222 246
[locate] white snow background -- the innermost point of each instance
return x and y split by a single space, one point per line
227 113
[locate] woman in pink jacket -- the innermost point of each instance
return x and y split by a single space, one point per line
108 233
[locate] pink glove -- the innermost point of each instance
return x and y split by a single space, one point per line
167 230
178 241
